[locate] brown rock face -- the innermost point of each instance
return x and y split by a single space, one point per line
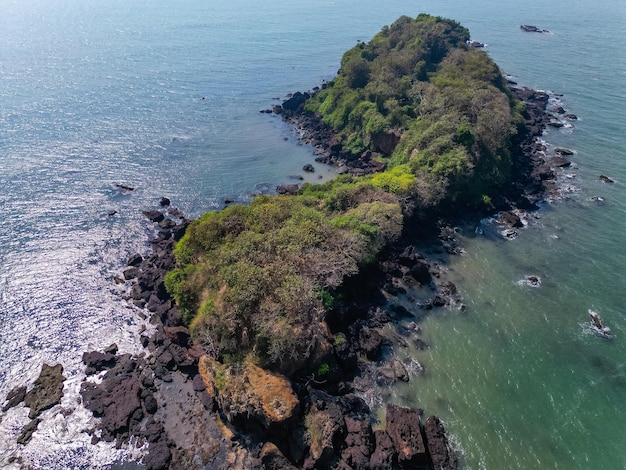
47 390
403 426
251 396
441 453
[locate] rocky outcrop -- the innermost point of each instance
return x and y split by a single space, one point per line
403 427
441 454
47 390
251 398
532 29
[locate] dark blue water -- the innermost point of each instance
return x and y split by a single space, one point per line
165 98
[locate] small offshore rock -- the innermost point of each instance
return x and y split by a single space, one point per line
123 187
605 179
164 202
47 390
532 29
571 117
309 168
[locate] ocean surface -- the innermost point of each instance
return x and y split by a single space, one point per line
165 97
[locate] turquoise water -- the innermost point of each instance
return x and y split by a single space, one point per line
93 94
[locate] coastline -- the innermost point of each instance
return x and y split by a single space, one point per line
171 402
177 374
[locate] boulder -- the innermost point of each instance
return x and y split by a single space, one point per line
309 168
605 179
97 361
164 202
134 260
560 162
510 219
441 454
532 29
287 189
154 215
403 426
14 398
47 390
563 151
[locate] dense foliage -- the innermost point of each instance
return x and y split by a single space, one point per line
257 280
417 78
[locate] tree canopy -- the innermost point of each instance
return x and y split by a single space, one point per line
255 282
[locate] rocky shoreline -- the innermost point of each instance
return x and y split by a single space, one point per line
163 400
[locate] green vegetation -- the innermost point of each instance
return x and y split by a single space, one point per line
256 282
449 102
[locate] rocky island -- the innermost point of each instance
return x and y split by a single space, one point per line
269 318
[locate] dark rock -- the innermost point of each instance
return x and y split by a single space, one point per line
287 189
14 398
386 142
476 44
308 167
420 272
556 124
150 404
403 426
135 260
27 431
167 224
123 187
370 342
510 219
532 29
179 335
359 441
97 361
384 452
560 162
153 430
159 456
441 454
563 151
571 117
131 273
605 179
47 390
164 202
391 372
154 215
198 383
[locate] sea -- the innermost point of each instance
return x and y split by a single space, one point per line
165 97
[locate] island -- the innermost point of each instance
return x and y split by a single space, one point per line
265 314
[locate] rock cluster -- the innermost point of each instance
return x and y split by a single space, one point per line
46 392
329 150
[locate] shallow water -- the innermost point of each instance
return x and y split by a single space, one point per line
97 94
